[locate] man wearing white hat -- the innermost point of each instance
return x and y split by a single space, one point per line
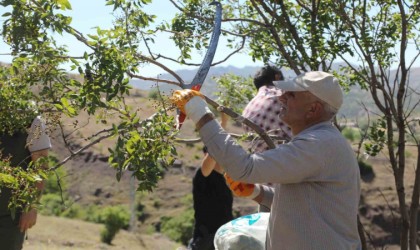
314 202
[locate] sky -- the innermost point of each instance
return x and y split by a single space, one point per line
87 14
90 13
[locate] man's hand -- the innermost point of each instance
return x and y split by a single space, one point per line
27 220
181 97
191 103
241 189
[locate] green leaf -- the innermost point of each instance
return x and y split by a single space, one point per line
8 179
58 106
37 178
66 105
94 37
74 61
65 4
65 102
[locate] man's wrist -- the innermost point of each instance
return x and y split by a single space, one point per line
196 108
255 193
204 120
259 194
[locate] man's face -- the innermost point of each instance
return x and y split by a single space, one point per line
296 107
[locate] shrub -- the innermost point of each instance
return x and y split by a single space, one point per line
114 218
52 186
55 198
366 169
52 204
74 211
150 230
154 94
157 203
187 200
140 213
179 228
351 134
93 214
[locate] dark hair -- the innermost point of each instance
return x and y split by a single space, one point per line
266 75
205 149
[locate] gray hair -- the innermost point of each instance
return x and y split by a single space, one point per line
329 110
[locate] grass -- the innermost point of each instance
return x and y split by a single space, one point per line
53 233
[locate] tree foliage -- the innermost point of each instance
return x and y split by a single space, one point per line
22 184
37 78
234 91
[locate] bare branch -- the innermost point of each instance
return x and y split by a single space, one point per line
152 79
181 82
241 119
213 64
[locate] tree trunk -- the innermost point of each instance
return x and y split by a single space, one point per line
361 233
415 205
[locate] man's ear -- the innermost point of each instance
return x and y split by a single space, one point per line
315 110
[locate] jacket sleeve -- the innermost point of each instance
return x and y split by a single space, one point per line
294 162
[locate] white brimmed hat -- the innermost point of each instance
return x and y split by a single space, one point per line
321 84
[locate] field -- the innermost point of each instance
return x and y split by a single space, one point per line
54 233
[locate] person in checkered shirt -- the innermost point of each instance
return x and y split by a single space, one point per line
264 109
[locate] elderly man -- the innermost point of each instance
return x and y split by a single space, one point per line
315 199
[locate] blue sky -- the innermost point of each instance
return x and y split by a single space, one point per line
90 13
87 14
84 19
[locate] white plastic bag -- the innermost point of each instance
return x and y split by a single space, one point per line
246 232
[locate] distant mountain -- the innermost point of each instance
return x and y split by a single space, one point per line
351 108
352 101
209 86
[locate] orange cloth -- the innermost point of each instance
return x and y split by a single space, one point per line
240 189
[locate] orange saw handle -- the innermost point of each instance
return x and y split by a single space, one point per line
181 116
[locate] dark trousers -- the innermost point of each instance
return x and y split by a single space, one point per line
202 243
10 236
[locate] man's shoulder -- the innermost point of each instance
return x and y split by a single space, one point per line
37 121
321 131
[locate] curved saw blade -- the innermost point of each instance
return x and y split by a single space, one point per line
202 72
